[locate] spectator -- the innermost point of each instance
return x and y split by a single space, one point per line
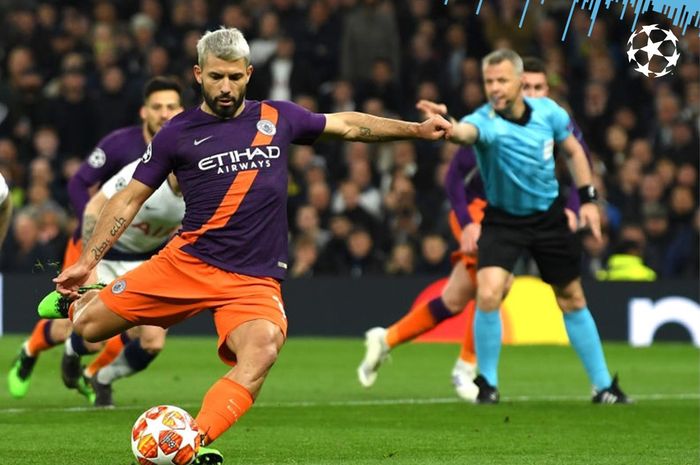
370 32
361 257
626 265
681 260
22 251
307 225
434 259
304 257
265 44
319 197
348 201
656 229
401 261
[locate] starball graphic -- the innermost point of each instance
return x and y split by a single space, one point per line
654 51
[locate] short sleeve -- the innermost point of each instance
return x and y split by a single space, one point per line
119 180
305 125
104 160
482 124
157 160
561 122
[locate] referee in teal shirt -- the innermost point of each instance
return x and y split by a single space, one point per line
514 139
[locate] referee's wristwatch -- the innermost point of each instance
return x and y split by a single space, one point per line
588 194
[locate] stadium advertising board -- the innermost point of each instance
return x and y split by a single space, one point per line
640 313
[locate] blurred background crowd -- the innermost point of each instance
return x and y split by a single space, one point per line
72 71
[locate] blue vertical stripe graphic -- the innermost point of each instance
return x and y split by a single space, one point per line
682 13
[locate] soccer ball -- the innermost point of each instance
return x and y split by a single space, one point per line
654 50
165 435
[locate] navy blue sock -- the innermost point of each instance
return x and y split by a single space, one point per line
47 333
137 358
78 344
439 310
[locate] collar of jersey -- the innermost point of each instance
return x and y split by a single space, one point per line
524 118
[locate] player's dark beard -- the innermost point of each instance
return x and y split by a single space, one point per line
224 112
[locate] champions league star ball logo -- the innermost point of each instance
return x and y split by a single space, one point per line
653 50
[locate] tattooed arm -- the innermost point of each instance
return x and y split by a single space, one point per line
90 215
355 126
115 217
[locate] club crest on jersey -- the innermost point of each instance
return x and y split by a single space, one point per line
147 154
267 127
118 287
97 158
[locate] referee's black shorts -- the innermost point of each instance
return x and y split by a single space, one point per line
546 235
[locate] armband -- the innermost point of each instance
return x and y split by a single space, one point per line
587 194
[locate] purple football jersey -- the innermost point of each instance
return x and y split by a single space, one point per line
463 183
116 150
233 176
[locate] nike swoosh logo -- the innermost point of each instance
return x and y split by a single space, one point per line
197 142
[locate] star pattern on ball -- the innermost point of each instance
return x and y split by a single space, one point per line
654 54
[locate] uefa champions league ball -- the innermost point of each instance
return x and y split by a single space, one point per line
165 435
653 50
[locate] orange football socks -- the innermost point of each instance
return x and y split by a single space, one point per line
417 321
40 340
224 403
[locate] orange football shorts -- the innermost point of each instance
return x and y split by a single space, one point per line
476 212
174 285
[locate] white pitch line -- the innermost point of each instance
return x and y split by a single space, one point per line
369 403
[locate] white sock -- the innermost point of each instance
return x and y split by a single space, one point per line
119 368
69 348
25 347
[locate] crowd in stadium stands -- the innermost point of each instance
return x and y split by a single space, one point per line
72 71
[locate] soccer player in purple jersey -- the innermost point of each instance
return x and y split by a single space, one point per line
465 191
230 157
161 101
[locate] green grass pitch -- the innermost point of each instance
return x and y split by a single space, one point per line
313 411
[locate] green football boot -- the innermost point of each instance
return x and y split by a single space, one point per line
54 305
85 389
208 456
20 374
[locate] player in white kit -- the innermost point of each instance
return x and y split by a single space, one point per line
151 229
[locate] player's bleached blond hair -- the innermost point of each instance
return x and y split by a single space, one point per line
502 55
225 43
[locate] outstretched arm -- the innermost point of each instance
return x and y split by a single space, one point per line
461 133
115 217
355 126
